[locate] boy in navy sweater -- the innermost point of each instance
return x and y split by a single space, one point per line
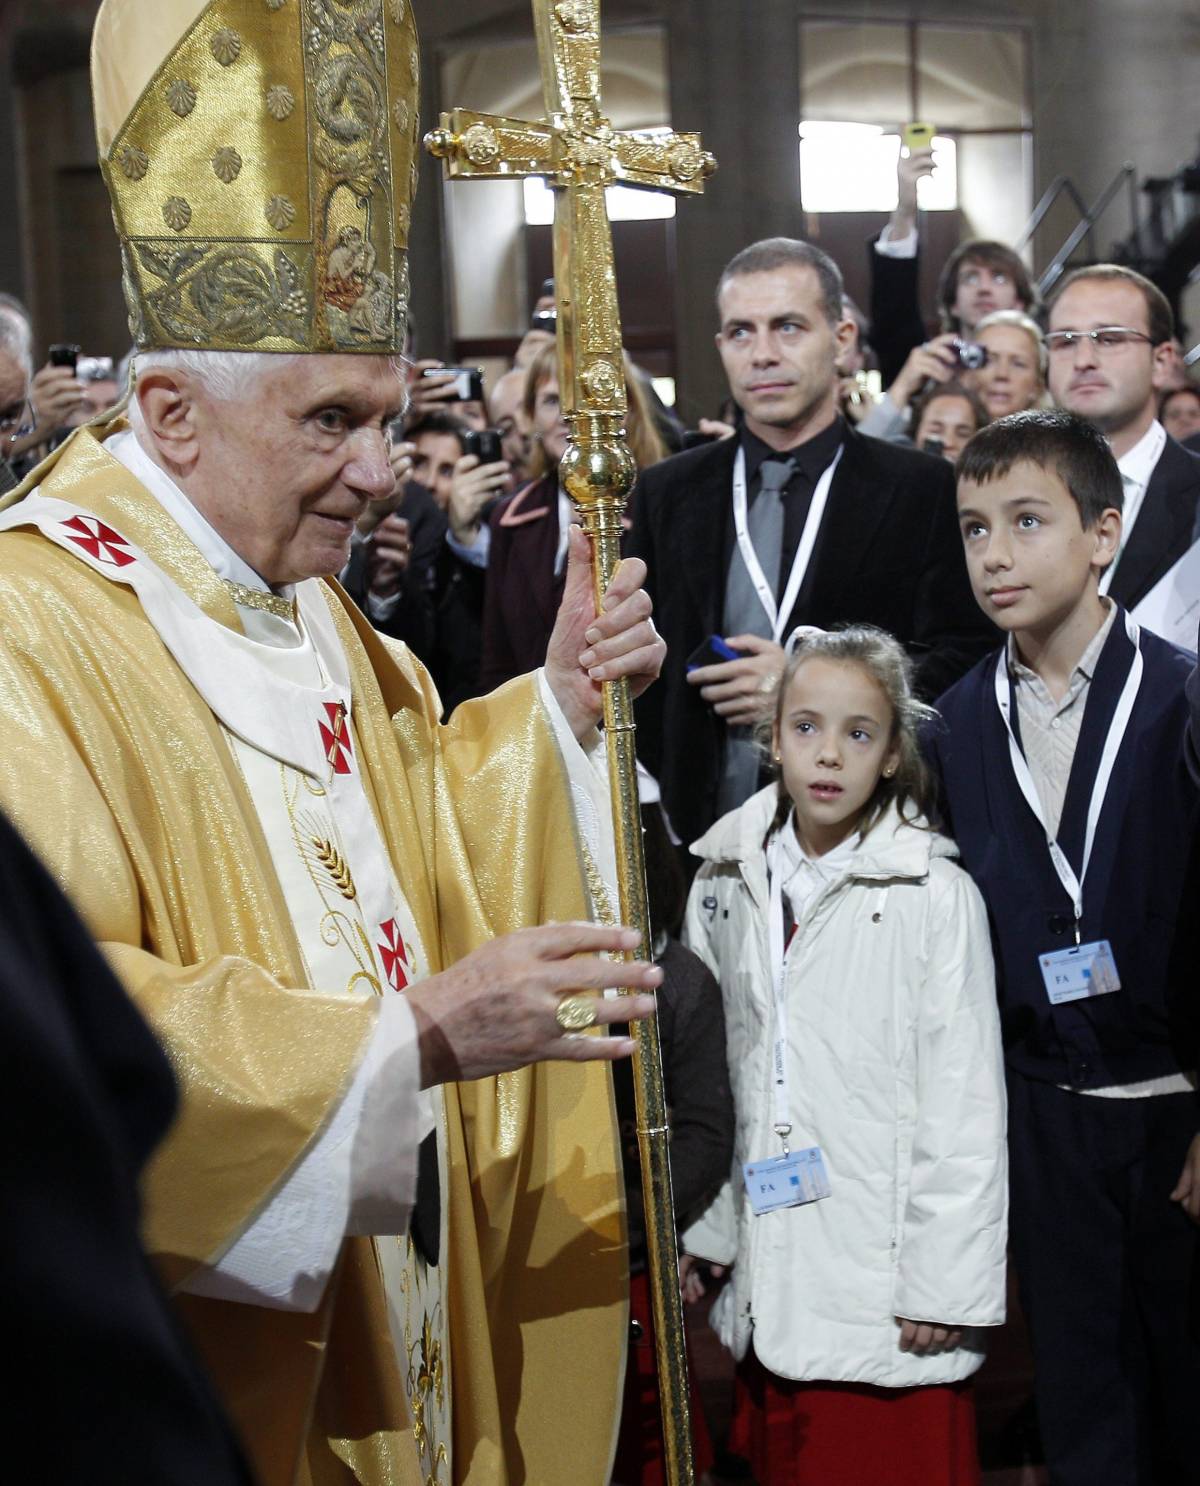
1064 760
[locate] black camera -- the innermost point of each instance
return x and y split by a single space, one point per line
63 354
971 355
485 443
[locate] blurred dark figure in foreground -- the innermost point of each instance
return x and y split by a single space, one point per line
105 1389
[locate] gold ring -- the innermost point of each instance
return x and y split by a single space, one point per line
576 1013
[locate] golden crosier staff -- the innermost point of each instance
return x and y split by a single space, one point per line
578 152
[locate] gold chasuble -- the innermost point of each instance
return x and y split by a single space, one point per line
123 779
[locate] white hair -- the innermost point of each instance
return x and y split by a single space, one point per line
227 376
16 337
1019 320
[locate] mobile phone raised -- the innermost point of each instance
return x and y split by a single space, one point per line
485 443
467 383
917 136
63 354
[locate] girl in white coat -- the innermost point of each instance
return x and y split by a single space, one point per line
855 967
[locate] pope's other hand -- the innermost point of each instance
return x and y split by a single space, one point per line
587 648
495 1010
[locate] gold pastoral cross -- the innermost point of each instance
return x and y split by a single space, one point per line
578 152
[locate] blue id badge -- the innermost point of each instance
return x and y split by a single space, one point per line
786 1181
1079 972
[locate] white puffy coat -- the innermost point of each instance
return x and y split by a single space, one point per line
894 1071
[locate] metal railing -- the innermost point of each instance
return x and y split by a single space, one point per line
1088 217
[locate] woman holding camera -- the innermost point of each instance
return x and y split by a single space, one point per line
943 359
1013 376
1004 365
527 560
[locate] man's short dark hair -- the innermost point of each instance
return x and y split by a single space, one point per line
788 252
1160 321
1050 439
986 254
437 423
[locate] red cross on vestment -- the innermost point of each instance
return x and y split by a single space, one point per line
395 956
99 541
335 738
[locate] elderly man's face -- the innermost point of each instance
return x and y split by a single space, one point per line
285 473
14 388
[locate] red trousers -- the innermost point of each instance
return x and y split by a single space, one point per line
852 1434
639 1447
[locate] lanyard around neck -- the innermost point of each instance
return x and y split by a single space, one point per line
777 616
1072 884
778 953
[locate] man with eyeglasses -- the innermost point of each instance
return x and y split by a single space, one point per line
1110 351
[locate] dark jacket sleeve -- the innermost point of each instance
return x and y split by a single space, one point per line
107 1389
895 310
498 662
949 630
642 542
931 751
411 619
1192 741
696 1076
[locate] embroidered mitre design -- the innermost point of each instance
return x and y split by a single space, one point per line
262 168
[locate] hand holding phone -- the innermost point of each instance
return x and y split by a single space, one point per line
738 676
912 167
465 382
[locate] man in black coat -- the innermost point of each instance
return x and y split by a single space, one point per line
102 1388
1110 355
868 534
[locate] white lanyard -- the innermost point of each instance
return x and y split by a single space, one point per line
778 617
1112 747
778 950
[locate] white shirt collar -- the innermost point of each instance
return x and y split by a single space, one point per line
1137 464
1084 668
225 562
793 858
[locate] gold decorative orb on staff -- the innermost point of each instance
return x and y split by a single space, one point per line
579 154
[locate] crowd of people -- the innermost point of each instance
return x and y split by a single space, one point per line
922 790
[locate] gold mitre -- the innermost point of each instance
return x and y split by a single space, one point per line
261 160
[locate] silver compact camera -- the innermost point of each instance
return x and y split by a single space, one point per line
971 355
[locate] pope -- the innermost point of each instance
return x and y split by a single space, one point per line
390 1208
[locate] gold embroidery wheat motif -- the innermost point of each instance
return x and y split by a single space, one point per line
335 866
